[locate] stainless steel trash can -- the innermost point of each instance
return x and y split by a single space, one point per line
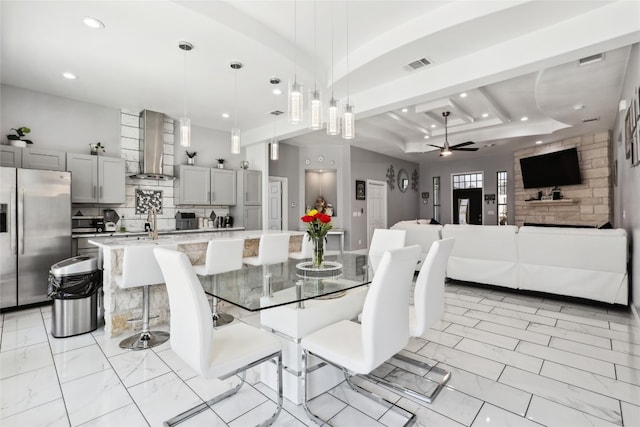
74 285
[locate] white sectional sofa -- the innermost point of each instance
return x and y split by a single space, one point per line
582 262
578 262
419 232
483 254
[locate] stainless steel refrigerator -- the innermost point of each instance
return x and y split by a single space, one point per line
35 231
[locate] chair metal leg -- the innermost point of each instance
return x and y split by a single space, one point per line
242 373
219 319
427 398
305 403
146 338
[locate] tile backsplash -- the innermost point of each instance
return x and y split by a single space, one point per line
130 151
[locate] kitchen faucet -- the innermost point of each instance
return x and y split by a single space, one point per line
153 213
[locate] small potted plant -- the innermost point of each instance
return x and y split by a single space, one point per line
191 157
96 149
17 139
220 163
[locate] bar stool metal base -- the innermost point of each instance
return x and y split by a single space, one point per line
144 340
221 319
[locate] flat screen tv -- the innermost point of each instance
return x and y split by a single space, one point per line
551 169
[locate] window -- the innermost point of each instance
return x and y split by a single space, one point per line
501 179
470 180
436 198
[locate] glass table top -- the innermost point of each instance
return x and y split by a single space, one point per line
290 282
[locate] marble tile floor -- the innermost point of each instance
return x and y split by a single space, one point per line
516 360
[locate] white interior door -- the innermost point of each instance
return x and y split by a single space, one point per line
275 205
376 207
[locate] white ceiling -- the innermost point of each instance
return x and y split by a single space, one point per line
512 58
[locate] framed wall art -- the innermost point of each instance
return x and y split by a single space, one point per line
361 190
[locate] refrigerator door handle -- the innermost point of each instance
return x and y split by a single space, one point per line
21 222
12 221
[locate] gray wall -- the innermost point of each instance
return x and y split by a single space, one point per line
210 144
287 167
59 123
461 163
400 206
627 192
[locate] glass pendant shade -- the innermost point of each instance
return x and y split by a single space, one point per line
185 132
295 102
333 118
315 109
274 152
348 123
235 141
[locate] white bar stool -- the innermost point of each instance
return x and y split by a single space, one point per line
306 249
140 269
223 255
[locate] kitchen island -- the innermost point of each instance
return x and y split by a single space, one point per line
121 305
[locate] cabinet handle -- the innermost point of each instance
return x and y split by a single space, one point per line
100 192
93 191
212 196
246 196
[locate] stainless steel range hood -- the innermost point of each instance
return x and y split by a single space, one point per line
152 145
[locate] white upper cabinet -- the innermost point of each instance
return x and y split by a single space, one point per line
223 187
193 186
37 158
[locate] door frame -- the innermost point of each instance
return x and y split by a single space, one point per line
451 191
384 185
285 200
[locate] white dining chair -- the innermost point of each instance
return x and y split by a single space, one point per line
140 269
306 249
223 256
211 353
272 249
384 240
359 348
427 310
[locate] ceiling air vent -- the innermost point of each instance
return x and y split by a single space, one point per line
591 119
276 112
591 59
417 64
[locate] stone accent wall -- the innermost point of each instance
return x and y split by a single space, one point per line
593 196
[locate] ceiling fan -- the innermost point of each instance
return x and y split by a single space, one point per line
447 149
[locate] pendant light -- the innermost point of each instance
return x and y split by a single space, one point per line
333 117
185 123
235 131
348 117
315 96
274 147
296 100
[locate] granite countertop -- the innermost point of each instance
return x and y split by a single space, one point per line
107 242
144 233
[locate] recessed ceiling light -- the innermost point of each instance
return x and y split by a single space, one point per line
538 142
578 107
463 95
433 126
70 76
277 92
524 118
485 115
426 137
92 23
404 110
225 115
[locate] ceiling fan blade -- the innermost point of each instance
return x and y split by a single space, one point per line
435 146
463 144
464 149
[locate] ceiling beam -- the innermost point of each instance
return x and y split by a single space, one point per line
494 107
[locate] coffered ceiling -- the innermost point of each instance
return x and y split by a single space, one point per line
511 58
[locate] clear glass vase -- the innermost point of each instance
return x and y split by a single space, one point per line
318 251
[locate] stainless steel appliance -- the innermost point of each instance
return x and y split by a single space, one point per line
87 224
35 231
186 221
111 218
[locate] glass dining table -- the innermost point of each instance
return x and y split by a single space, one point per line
256 288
